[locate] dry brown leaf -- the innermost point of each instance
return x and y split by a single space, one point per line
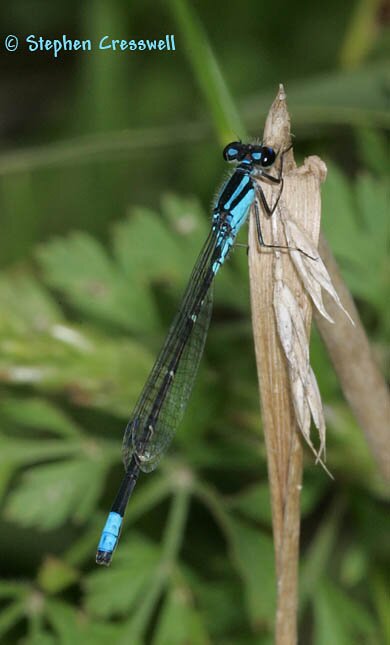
291 324
312 272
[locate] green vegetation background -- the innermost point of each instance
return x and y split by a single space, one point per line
109 163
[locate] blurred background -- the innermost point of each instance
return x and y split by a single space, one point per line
108 165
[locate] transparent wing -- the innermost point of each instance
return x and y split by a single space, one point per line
164 398
150 451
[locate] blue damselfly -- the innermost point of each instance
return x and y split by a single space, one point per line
164 397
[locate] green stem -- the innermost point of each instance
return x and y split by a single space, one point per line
208 73
135 628
361 33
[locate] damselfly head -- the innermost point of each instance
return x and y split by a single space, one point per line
250 153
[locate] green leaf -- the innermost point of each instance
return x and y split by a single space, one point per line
254 557
73 627
6 472
92 368
150 494
174 240
160 258
311 494
26 304
23 451
372 524
116 591
38 414
373 149
372 197
361 213
52 493
9 589
79 267
222 608
11 615
354 567
338 203
187 221
320 552
41 637
380 594
339 619
56 575
328 628
179 622
65 621
344 436
254 503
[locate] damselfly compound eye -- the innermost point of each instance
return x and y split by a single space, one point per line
268 156
232 151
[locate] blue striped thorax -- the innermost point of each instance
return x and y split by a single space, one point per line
238 193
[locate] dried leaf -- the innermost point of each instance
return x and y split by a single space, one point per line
313 273
290 322
292 333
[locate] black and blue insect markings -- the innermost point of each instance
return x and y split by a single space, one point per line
165 395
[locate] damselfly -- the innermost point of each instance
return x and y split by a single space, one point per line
163 400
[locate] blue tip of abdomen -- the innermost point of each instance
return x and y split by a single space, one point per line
109 538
